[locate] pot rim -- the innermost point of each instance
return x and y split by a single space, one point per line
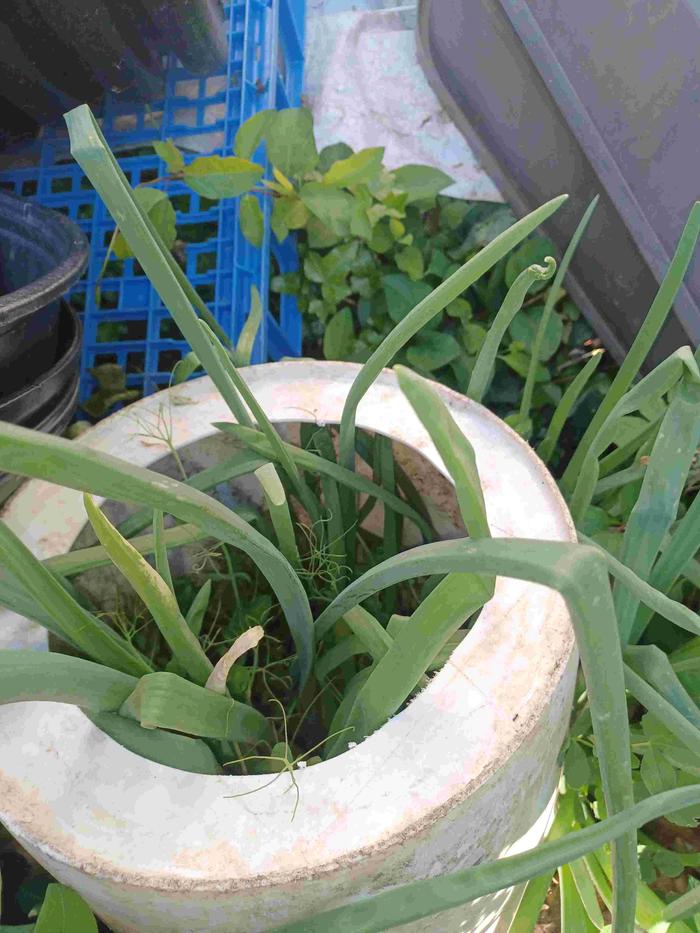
389 779
58 372
16 305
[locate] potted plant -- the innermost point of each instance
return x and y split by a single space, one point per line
120 791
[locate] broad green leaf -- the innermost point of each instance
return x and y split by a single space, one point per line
658 775
161 213
410 261
406 903
369 631
91 151
331 206
421 182
221 176
402 295
29 453
331 154
82 629
251 219
577 766
643 343
57 678
355 169
249 331
154 591
675 721
251 133
531 252
339 336
165 748
425 311
171 155
64 911
431 351
574 572
483 368
166 701
524 329
347 647
291 146
160 549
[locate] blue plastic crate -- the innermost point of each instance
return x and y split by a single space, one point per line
130 325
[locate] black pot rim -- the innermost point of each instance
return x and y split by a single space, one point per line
24 301
65 362
63 411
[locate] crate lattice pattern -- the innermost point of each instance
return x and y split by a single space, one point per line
124 321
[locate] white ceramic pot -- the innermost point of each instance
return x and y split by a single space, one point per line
465 773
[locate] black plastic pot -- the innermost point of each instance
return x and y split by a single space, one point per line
41 254
47 395
193 29
58 54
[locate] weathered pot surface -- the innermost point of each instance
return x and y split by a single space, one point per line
465 773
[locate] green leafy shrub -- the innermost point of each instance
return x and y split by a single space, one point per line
372 244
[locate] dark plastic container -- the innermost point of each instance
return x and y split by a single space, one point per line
41 254
586 97
39 401
58 54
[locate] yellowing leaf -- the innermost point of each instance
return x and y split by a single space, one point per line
218 677
361 167
218 177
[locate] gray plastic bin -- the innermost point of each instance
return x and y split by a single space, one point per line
601 96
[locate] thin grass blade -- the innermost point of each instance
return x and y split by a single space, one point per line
653 664
155 593
240 464
278 507
161 550
307 460
408 903
512 303
197 611
29 453
395 675
553 292
81 628
249 331
90 558
566 405
643 342
657 504
426 310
